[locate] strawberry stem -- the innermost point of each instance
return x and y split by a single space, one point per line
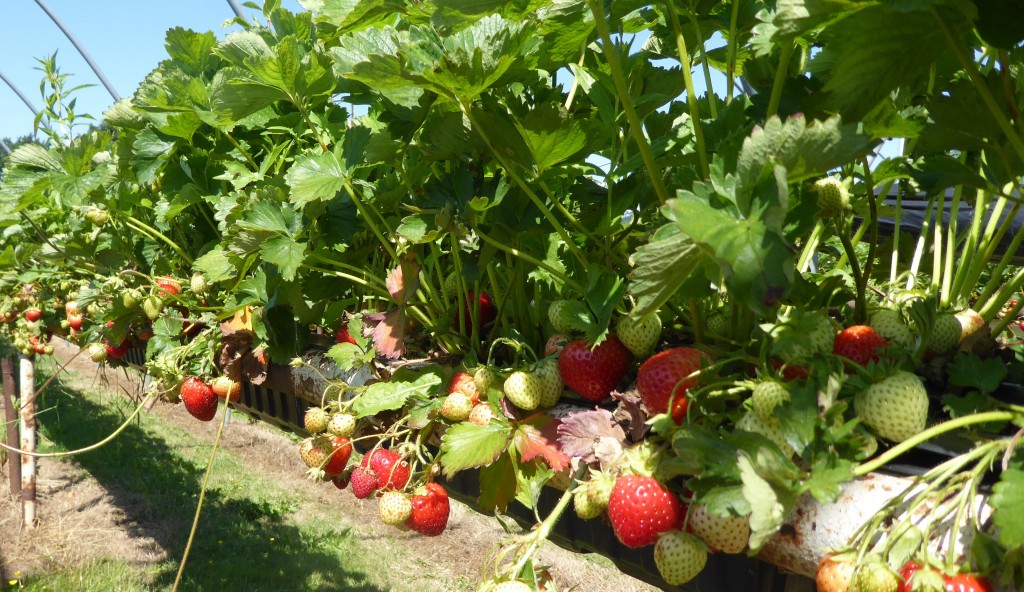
936 430
543 530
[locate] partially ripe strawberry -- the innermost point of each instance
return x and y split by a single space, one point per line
668 376
315 420
464 383
76 321
679 557
314 451
71 308
225 388
728 534
862 344
430 509
594 373
555 344
168 286
364 482
835 573
198 398
481 414
896 407
640 508
392 472
639 335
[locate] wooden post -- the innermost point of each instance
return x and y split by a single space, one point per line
10 382
28 441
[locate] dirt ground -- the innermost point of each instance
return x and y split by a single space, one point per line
82 520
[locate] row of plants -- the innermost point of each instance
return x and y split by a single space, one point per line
567 266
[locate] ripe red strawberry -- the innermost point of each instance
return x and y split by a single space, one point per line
119 351
860 344
364 482
198 398
430 510
728 534
75 321
640 508
225 388
464 383
391 471
835 573
679 557
168 285
915 578
343 336
487 311
33 314
594 373
341 451
967 583
664 375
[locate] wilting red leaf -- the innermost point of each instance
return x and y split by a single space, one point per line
591 435
403 281
389 334
531 444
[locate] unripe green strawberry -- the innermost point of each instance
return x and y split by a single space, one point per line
639 336
566 316
315 420
728 534
600 487
97 216
874 576
803 337
198 283
766 397
484 378
342 424
584 504
315 451
751 422
456 406
889 324
717 324
152 307
395 507
896 407
97 352
130 298
524 390
679 557
514 586
945 333
833 199
551 381
451 286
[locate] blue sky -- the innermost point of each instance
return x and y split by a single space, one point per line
124 37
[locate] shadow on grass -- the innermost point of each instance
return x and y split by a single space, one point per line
240 544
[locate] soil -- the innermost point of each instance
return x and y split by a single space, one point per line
82 520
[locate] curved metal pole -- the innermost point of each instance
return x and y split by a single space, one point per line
20 94
236 9
88 59
4 145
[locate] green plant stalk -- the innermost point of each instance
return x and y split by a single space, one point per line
568 215
635 125
202 496
569 243
857 238
543 530
872 225
994 238
807 253
1008 318
369 221
922 437
980 86
531 260
354 279
691 93
153 233
992 305
894 256
952 230
730 67
970 249
1004 261
366 275
780 78
860 307
712 106
252 163
919 250
937 236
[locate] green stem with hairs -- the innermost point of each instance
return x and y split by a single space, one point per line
780 78
922 437
153 233
860 307
543 530
691 93
357 200
712 106
532 260
635 125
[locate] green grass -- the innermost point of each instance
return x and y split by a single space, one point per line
249 538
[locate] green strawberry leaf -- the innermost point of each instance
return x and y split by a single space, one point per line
394 393
467 445
969 370
498 484
1007 500
662 267
216 265
605 291
531 477
317 177
767 513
